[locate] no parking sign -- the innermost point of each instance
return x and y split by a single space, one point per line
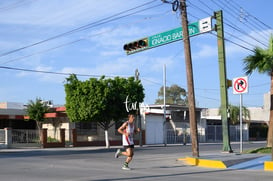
240 85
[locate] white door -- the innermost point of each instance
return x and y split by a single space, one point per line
154 132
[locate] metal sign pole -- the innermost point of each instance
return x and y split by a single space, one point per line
164 92
240 86
241 124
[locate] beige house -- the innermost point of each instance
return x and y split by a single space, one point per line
157 129
259 117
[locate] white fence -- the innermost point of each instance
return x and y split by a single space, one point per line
2 136
12 138
25 136
212 133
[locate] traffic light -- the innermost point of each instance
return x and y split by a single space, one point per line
229 83
136 46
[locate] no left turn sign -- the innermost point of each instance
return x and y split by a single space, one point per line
240 85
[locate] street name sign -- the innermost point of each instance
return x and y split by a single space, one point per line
201 26
171 35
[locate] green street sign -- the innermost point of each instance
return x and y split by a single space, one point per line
172 35
201 26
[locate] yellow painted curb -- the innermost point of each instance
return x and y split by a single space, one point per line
268 165
203 162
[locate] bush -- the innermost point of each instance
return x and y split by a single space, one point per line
264 150
52 140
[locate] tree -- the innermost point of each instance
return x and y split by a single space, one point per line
262 61
101 100
174 95
234 114
36 110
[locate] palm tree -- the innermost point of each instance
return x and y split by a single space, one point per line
36 110
234 114
262 61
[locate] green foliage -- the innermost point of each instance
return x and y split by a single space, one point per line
174 95
36 110
264 150
261 60
234 112
100 100
52 140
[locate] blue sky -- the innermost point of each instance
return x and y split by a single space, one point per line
97 49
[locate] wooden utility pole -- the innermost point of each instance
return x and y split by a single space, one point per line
190 84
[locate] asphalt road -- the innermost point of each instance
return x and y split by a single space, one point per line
93 163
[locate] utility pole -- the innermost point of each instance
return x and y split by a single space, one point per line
138 113
223 81
190 84
164 103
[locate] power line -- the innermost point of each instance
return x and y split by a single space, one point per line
245 33
255 18
231 34
234 14
87 26
230 24
73 42
234 43
13 5
50 72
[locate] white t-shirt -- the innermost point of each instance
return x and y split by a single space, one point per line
128 140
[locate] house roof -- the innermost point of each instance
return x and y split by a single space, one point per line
159 108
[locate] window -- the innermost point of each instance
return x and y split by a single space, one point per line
86 128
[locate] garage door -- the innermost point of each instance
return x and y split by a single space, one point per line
154 132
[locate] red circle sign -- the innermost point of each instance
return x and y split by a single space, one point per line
240 85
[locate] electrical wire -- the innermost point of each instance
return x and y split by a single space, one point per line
254 17
230 24
226 32
78 40
13 5
233 13
50 72
81 29
87 26
234 43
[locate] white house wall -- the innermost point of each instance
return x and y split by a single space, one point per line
154 129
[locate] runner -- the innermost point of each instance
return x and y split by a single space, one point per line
127 130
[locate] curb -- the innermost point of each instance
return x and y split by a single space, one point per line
268 165
203 162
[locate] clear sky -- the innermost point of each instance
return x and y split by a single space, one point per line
86 37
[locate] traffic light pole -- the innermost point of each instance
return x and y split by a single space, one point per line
223 81
190 84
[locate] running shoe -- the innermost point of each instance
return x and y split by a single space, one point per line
117 153
125 167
